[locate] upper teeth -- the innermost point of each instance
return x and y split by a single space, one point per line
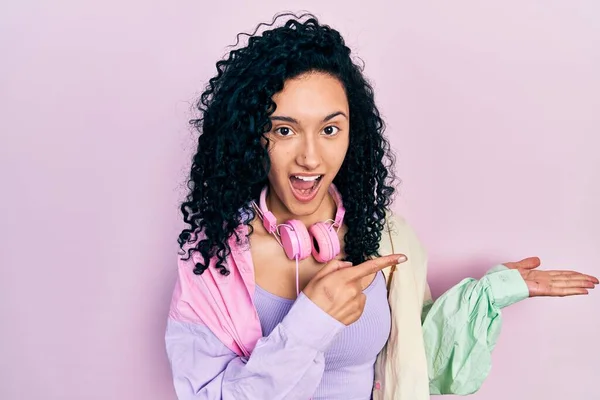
307 178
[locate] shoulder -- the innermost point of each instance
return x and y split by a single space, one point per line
399 226
236 242
402 238
187 253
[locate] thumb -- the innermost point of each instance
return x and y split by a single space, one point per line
526 263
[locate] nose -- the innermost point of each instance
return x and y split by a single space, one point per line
308 156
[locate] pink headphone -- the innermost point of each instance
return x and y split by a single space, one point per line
320 239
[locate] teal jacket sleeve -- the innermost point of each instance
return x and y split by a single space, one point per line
461 328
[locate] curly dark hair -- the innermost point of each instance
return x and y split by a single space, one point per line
231 164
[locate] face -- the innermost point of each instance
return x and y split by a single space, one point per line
308 142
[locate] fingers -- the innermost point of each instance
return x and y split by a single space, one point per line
359 306
540 290
572 283
332 266
561 285
372 266
573 275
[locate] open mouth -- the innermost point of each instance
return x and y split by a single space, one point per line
305 188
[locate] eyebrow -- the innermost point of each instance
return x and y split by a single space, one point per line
295 121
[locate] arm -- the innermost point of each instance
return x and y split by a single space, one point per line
288 364
461 328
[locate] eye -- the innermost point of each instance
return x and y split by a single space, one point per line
331 130
284 131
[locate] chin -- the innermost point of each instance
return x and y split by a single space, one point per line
304 210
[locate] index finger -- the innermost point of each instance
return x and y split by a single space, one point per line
372 266
573 274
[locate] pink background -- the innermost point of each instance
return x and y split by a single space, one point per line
493 111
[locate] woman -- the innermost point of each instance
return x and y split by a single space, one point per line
295 280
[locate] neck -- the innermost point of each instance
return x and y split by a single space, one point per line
326 210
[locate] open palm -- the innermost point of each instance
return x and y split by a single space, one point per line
552 283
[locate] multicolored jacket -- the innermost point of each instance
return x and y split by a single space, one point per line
216 349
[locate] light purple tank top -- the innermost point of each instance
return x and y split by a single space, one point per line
350 360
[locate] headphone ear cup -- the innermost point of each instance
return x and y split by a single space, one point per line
295 239
325 242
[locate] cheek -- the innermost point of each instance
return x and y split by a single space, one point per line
279 158
336 154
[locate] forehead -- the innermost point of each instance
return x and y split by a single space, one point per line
311 95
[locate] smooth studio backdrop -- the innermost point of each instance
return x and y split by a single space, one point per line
493 111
